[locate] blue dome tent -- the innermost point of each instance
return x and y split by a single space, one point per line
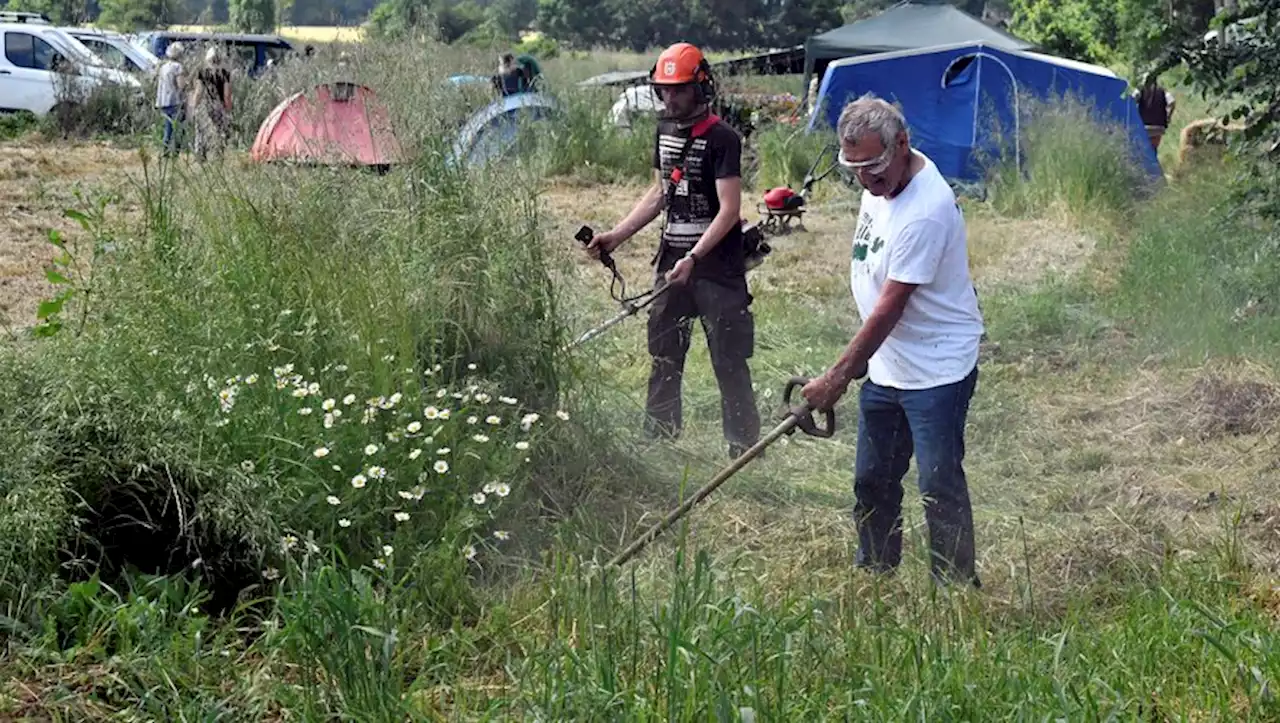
494 129
959 99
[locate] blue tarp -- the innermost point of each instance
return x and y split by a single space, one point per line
959 100
493 130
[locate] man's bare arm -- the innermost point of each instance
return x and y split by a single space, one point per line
888 312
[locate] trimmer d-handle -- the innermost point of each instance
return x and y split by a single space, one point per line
804 413
584 236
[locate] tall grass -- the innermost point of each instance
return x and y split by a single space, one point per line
1071 163
276 359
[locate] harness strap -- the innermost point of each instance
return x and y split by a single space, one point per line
698 130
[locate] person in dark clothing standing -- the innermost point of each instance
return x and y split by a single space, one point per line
697 165
1155 107
210 105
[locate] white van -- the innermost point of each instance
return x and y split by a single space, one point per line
41 66
116 50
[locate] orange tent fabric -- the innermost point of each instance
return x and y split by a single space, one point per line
336 124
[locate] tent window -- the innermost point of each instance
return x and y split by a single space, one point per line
959 71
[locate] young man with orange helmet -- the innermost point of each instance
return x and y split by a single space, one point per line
697 163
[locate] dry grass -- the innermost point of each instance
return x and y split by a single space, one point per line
38 181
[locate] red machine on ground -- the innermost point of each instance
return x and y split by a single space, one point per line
783 208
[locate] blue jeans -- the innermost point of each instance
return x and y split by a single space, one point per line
171 128
892 424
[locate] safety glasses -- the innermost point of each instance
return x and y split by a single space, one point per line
873 167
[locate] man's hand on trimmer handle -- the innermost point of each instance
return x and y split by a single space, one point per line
601 243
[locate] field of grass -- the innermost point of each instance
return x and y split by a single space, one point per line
232 490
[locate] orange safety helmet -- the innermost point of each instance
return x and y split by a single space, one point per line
683 64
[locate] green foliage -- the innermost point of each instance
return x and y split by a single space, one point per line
1074 29
61 12
136 15
252 16
711 24
1242 67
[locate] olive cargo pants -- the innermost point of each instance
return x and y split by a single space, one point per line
724 308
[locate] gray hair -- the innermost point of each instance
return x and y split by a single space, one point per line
870 114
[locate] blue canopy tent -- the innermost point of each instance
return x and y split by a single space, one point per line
494 129
960 100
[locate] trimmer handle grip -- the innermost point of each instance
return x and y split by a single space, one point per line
804 413
584 236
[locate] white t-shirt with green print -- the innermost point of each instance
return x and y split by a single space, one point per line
918 238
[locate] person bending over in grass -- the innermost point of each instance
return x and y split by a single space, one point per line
918 344
697 162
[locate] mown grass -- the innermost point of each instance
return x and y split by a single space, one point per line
1115 586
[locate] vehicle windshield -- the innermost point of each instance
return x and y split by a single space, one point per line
72 48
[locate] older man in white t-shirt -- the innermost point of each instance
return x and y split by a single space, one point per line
918 344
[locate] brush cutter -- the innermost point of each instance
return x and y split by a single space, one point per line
782 206
797 416
618 290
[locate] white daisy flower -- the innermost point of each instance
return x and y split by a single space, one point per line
469 552
349 399
380 564
471 366
359 481
333 500
321 452
247 466
508 400
415 454
405 495
563 415
488 488
478 498
522 445
480 438
377 472
414 427
251 379
493 419
344 522
443 451
370 449
501 535
329 404
305 411
483 398
431 413
387 550
502 489
402 517
441 466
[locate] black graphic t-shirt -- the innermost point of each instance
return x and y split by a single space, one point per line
693 204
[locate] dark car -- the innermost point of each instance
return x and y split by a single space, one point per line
251 51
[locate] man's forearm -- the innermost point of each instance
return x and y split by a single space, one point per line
853 361
643 214
715 233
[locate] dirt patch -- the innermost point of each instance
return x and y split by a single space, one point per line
38 181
